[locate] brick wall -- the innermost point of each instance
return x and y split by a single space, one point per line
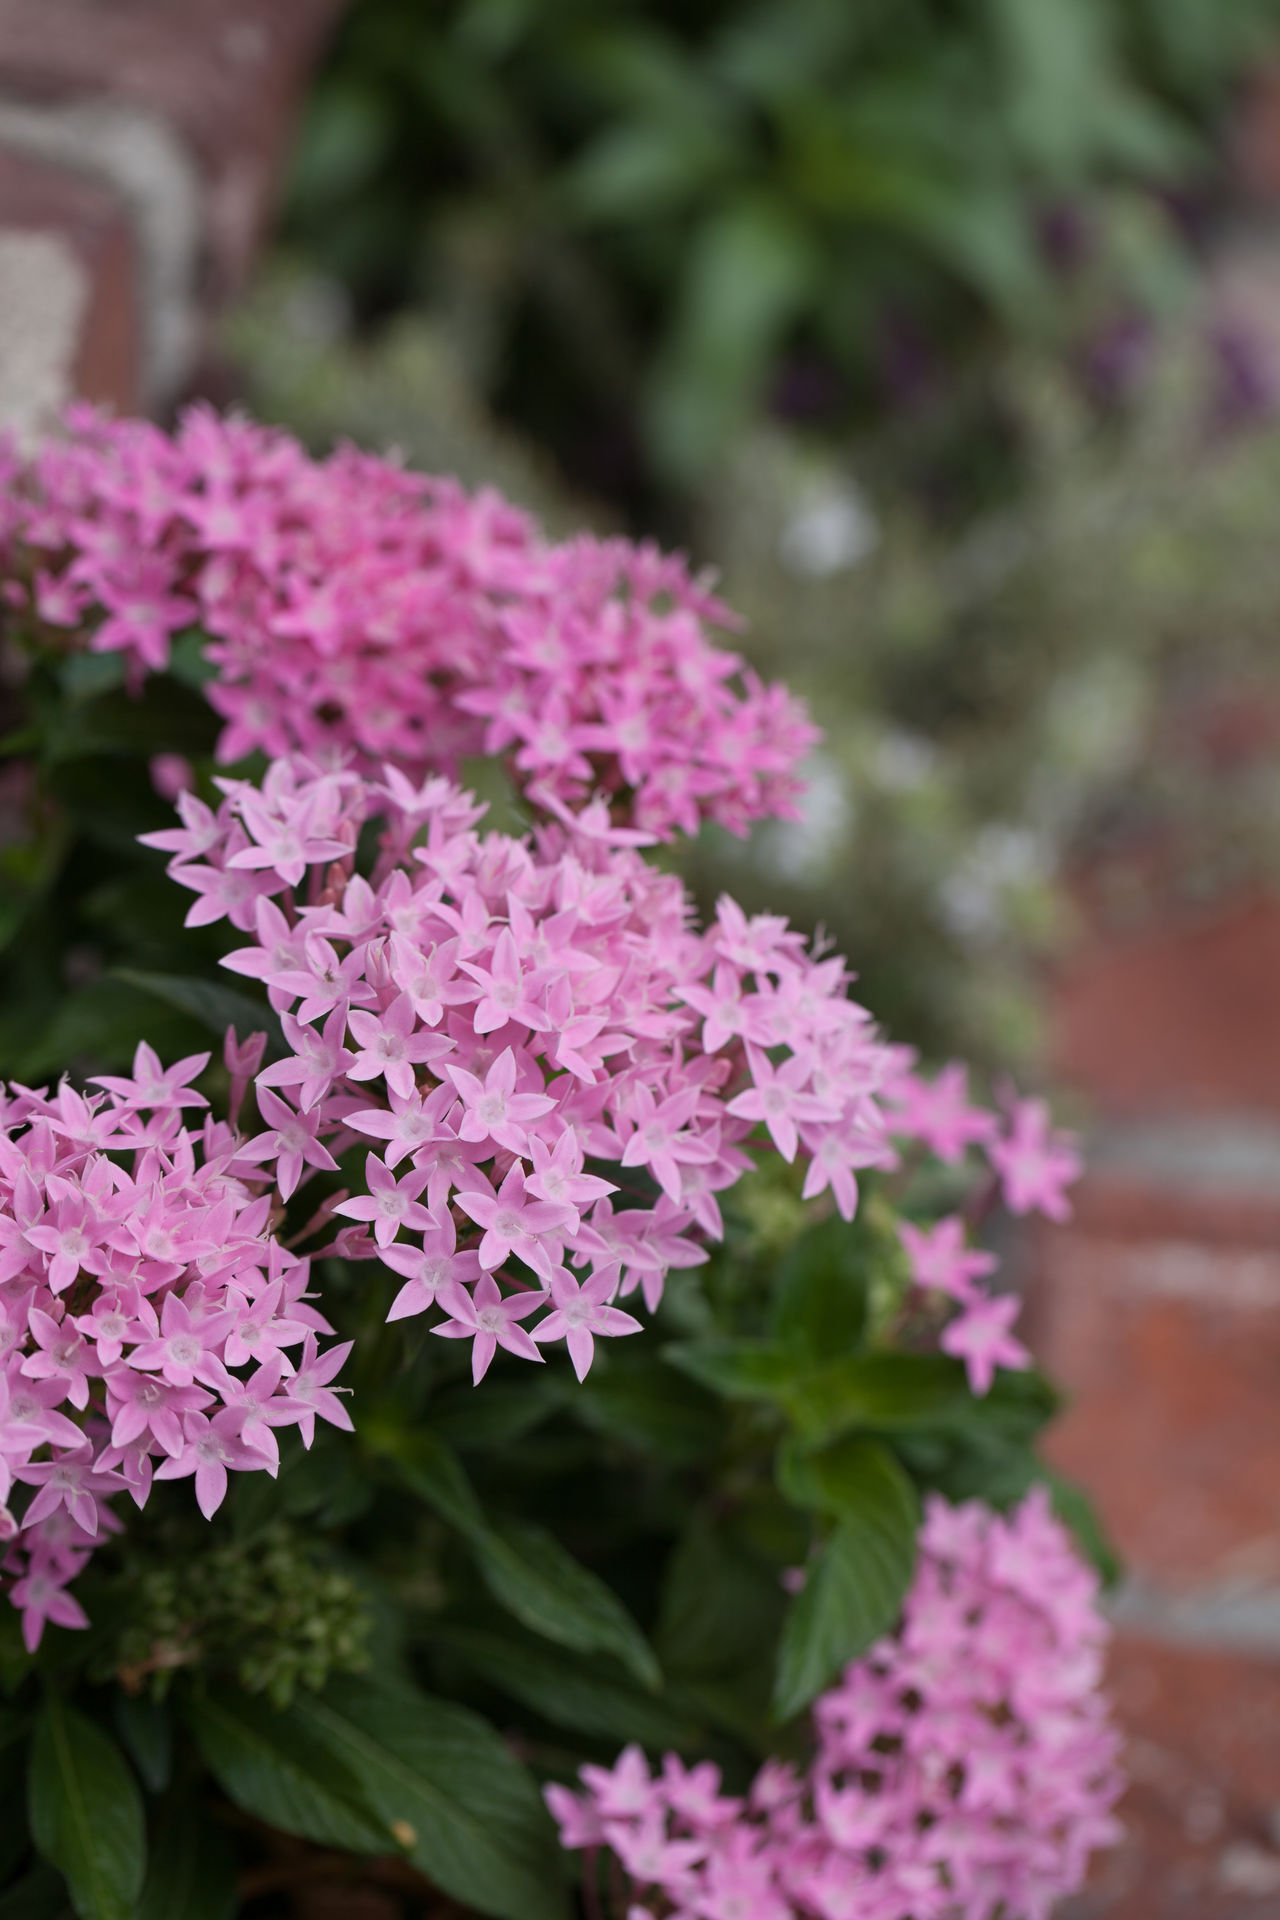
1158 1310
141 143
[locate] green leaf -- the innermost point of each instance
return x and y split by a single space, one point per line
215 1006
39 1895
86 1812
465 1812
540 1582
641 167
268 1763
143 1724
820 1306
96 1029
568 1692
739 1369
644 1405
432 1470
191 1873
721 1606
748 270
885 1391
855 1586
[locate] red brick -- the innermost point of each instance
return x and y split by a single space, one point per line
38 197
1182 1017
1168 1350
1204 1767
225 74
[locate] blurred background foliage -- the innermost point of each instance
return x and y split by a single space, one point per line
903 316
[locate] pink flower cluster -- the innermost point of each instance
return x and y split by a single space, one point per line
150 1326
355 607
1031 1165
496 1013
964 1768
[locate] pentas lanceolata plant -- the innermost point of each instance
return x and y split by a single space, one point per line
351 606
520 1076
964 1768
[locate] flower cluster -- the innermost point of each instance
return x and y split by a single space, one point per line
356 607
964 1769
149 1323
495 1014
1031 1167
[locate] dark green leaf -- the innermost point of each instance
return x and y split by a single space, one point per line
143 1724
86 1812
215 1006
648 1408
739 1369
269 1764
721 1605
540 1582
569 1692
820 1306
431 1470
856 1583
886 1391
447 1788
39 1895
191 1873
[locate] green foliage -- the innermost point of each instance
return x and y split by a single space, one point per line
639 211
86 1812
189 1872
854 1587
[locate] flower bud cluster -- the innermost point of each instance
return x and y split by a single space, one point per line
150 1325
964 1769
355 607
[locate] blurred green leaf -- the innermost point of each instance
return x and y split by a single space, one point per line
748 272
39 1895
739 1369
86 1812
855 1585
147 1732
215 1006
640 168
191 1872
575 1693
820 1299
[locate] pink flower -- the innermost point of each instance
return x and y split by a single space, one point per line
939 1113
492 1109
1036 1165
390 1203
940 1258
515 1224
488 1321
211 1449
780 1099
430 1268
980 1337
579 1312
